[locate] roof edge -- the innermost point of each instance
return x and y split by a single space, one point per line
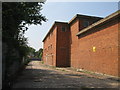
52 28
99 22
80 15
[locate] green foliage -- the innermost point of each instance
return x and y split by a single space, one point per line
42 62
31 51
39 53
15 17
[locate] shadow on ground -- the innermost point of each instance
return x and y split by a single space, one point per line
41 77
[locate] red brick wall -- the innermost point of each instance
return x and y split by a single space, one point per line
49 48
62 45
67 49
119 49
74 29
58 53
105 58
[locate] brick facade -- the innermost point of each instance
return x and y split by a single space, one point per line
105 58
86 42
56 45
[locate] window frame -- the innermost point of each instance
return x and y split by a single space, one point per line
84 23
63 27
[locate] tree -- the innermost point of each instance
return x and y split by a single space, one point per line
31 51
15 17
39 53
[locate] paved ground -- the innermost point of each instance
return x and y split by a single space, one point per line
38 75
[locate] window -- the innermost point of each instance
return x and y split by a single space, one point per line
63 29
51 45
86 23
48 47
45 50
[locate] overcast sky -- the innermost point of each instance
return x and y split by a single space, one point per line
65 11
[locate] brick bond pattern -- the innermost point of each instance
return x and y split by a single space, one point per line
64 48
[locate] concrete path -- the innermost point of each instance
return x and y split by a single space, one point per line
38 75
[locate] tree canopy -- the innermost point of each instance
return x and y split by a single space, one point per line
15 17
39 53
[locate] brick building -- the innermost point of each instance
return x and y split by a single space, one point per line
85 42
